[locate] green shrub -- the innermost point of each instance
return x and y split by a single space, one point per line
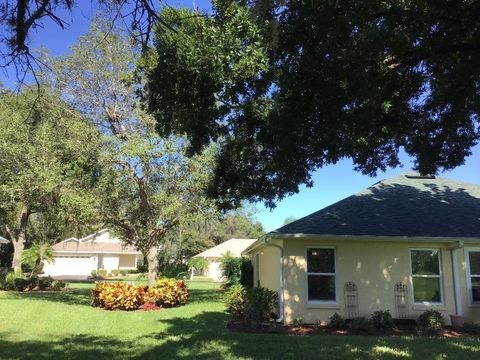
101 273
246 273
33 283
45 283
360 324
3 274
382 320
58 285
93 273
10 280
235 299
231 268
431 319
471 328
141 268
262 305
115 272
21 284
336 321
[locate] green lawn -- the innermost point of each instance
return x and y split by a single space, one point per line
65 326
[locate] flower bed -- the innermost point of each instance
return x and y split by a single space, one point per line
318 330
124 296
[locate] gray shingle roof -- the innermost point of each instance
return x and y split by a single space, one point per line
400 206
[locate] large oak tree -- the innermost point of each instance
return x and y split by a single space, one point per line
48 161
286 87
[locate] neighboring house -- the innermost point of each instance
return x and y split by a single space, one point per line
3 240
233 247
78 257
406 244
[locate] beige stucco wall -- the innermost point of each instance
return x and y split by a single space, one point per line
266 263
471 312
374 266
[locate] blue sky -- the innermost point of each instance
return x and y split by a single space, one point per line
331 183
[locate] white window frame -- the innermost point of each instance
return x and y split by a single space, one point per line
439 277
335 301
469 275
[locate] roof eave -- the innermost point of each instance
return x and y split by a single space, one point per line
253 246
274 235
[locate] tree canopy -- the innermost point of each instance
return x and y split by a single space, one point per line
148 186
48 157
286 87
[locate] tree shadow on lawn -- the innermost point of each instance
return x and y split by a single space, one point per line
205 337
70 297
81 347
205 295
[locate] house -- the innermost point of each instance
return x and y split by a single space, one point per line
233 247
100 250
406 244
3 241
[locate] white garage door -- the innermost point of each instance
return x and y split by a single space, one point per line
71 265
214 271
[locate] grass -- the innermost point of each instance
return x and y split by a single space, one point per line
65 326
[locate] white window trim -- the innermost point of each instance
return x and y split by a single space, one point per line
439 277
321 302
469 276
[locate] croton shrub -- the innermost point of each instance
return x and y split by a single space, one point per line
167 293
124 296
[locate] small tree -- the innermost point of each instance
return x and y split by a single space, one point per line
35 255
198 263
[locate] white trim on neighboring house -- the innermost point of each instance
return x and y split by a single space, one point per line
93 236
468 250
440 277
335 275
97 252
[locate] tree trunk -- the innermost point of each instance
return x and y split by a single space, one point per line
18 246
152 260
19 242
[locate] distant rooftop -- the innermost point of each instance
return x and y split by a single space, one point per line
406 205
234 246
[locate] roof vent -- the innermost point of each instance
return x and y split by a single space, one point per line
420 176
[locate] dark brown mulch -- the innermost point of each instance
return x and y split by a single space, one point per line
311 330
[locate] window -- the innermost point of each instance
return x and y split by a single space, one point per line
321 274
473 275
426 276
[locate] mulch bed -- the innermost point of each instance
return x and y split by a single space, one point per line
316 330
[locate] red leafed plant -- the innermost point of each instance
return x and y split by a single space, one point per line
149 306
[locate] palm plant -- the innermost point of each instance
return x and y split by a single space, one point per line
35 255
